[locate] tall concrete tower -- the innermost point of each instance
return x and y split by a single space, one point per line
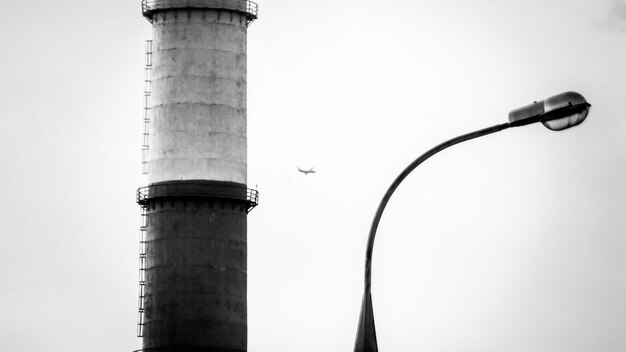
193 254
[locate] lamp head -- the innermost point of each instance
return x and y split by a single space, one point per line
557 113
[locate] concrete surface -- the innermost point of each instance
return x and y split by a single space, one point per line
198 128
196 275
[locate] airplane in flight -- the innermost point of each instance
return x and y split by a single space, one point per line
306 172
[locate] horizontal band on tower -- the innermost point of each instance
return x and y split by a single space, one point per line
186 349
194 189
246 7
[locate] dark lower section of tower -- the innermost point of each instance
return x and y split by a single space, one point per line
195 266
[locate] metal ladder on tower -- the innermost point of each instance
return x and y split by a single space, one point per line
142 271
147 83
145 147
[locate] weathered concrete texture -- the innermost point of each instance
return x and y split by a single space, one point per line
196 275
198 128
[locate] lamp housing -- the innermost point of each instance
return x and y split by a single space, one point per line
557 113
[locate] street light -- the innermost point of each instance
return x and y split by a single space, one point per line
557 113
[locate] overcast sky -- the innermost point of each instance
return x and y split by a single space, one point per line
511 242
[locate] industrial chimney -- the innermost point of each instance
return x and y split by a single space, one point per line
193 250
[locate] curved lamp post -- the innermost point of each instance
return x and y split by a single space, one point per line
556 113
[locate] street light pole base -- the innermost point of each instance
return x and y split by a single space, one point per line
366 335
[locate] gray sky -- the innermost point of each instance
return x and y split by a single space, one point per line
514 241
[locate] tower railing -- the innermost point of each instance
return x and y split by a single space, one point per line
253 197
247 7
198 189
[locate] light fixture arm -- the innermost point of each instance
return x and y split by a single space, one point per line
366 334
401 177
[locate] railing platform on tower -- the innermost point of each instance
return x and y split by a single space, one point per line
198 189
248 8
